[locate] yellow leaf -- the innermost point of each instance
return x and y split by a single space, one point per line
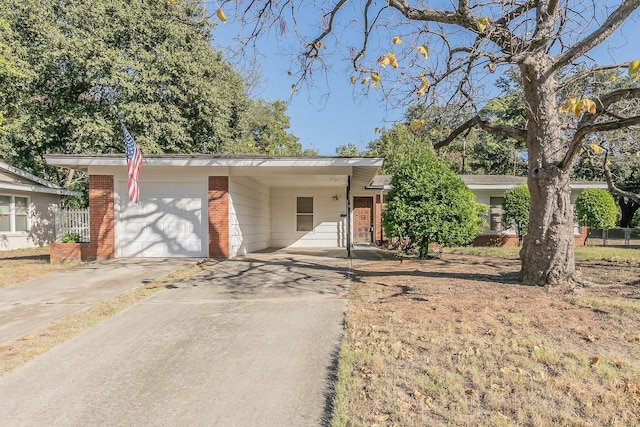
375 77
415 125
376 130
353 80
424 51
397 40
383 60
293 88
613 78
634 67
589 105
596 148
375 83
392 60
577 108
169 1
423 88
482 23
220 15
365 80
567 105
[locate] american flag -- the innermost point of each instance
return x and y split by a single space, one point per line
134 163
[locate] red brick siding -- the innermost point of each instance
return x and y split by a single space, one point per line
218 217
102 221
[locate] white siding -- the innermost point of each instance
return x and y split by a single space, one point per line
249 216
329 224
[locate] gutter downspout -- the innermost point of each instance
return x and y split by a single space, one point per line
349 216
381 204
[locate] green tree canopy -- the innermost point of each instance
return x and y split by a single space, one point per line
88 63
268 124
397 146
348 150
429 203
515 209
596 208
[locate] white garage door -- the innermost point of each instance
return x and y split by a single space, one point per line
170 221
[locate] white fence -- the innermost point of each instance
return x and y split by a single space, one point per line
614 237
75 222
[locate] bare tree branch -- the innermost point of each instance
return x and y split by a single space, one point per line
588 72
588 124
493 128
598 36
612 186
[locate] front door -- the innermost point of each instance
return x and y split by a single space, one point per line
362 219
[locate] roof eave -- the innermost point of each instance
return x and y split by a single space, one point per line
84 162
38 189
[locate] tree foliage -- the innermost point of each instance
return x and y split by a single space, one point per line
348 150
515 209
70 71
399 145
268 124
430 204
596 208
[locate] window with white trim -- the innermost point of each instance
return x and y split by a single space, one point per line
14 214
304 213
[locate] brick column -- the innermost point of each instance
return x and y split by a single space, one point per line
101 221
218 210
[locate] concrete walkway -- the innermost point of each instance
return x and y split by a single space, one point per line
249 342
36 303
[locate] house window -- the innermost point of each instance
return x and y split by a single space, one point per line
14 213
495 213
304 213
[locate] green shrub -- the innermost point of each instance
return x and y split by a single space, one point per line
71 238
430 204
515 209
596 208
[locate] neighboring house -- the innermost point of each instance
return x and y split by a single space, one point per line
489 190
28 205
221 206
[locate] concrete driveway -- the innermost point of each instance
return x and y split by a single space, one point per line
248 342
37 302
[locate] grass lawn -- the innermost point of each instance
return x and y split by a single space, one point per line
459 342
24 264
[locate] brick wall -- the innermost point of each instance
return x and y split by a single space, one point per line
101 222
512 240
218 217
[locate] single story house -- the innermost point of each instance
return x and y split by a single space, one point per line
28 207
489 190
225 206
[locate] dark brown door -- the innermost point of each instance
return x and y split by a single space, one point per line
362 219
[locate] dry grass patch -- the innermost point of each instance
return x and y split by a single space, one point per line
26 348
23 264
458 341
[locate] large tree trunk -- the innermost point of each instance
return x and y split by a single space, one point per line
627 208
547 254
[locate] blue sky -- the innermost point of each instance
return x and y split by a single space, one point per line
330 113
